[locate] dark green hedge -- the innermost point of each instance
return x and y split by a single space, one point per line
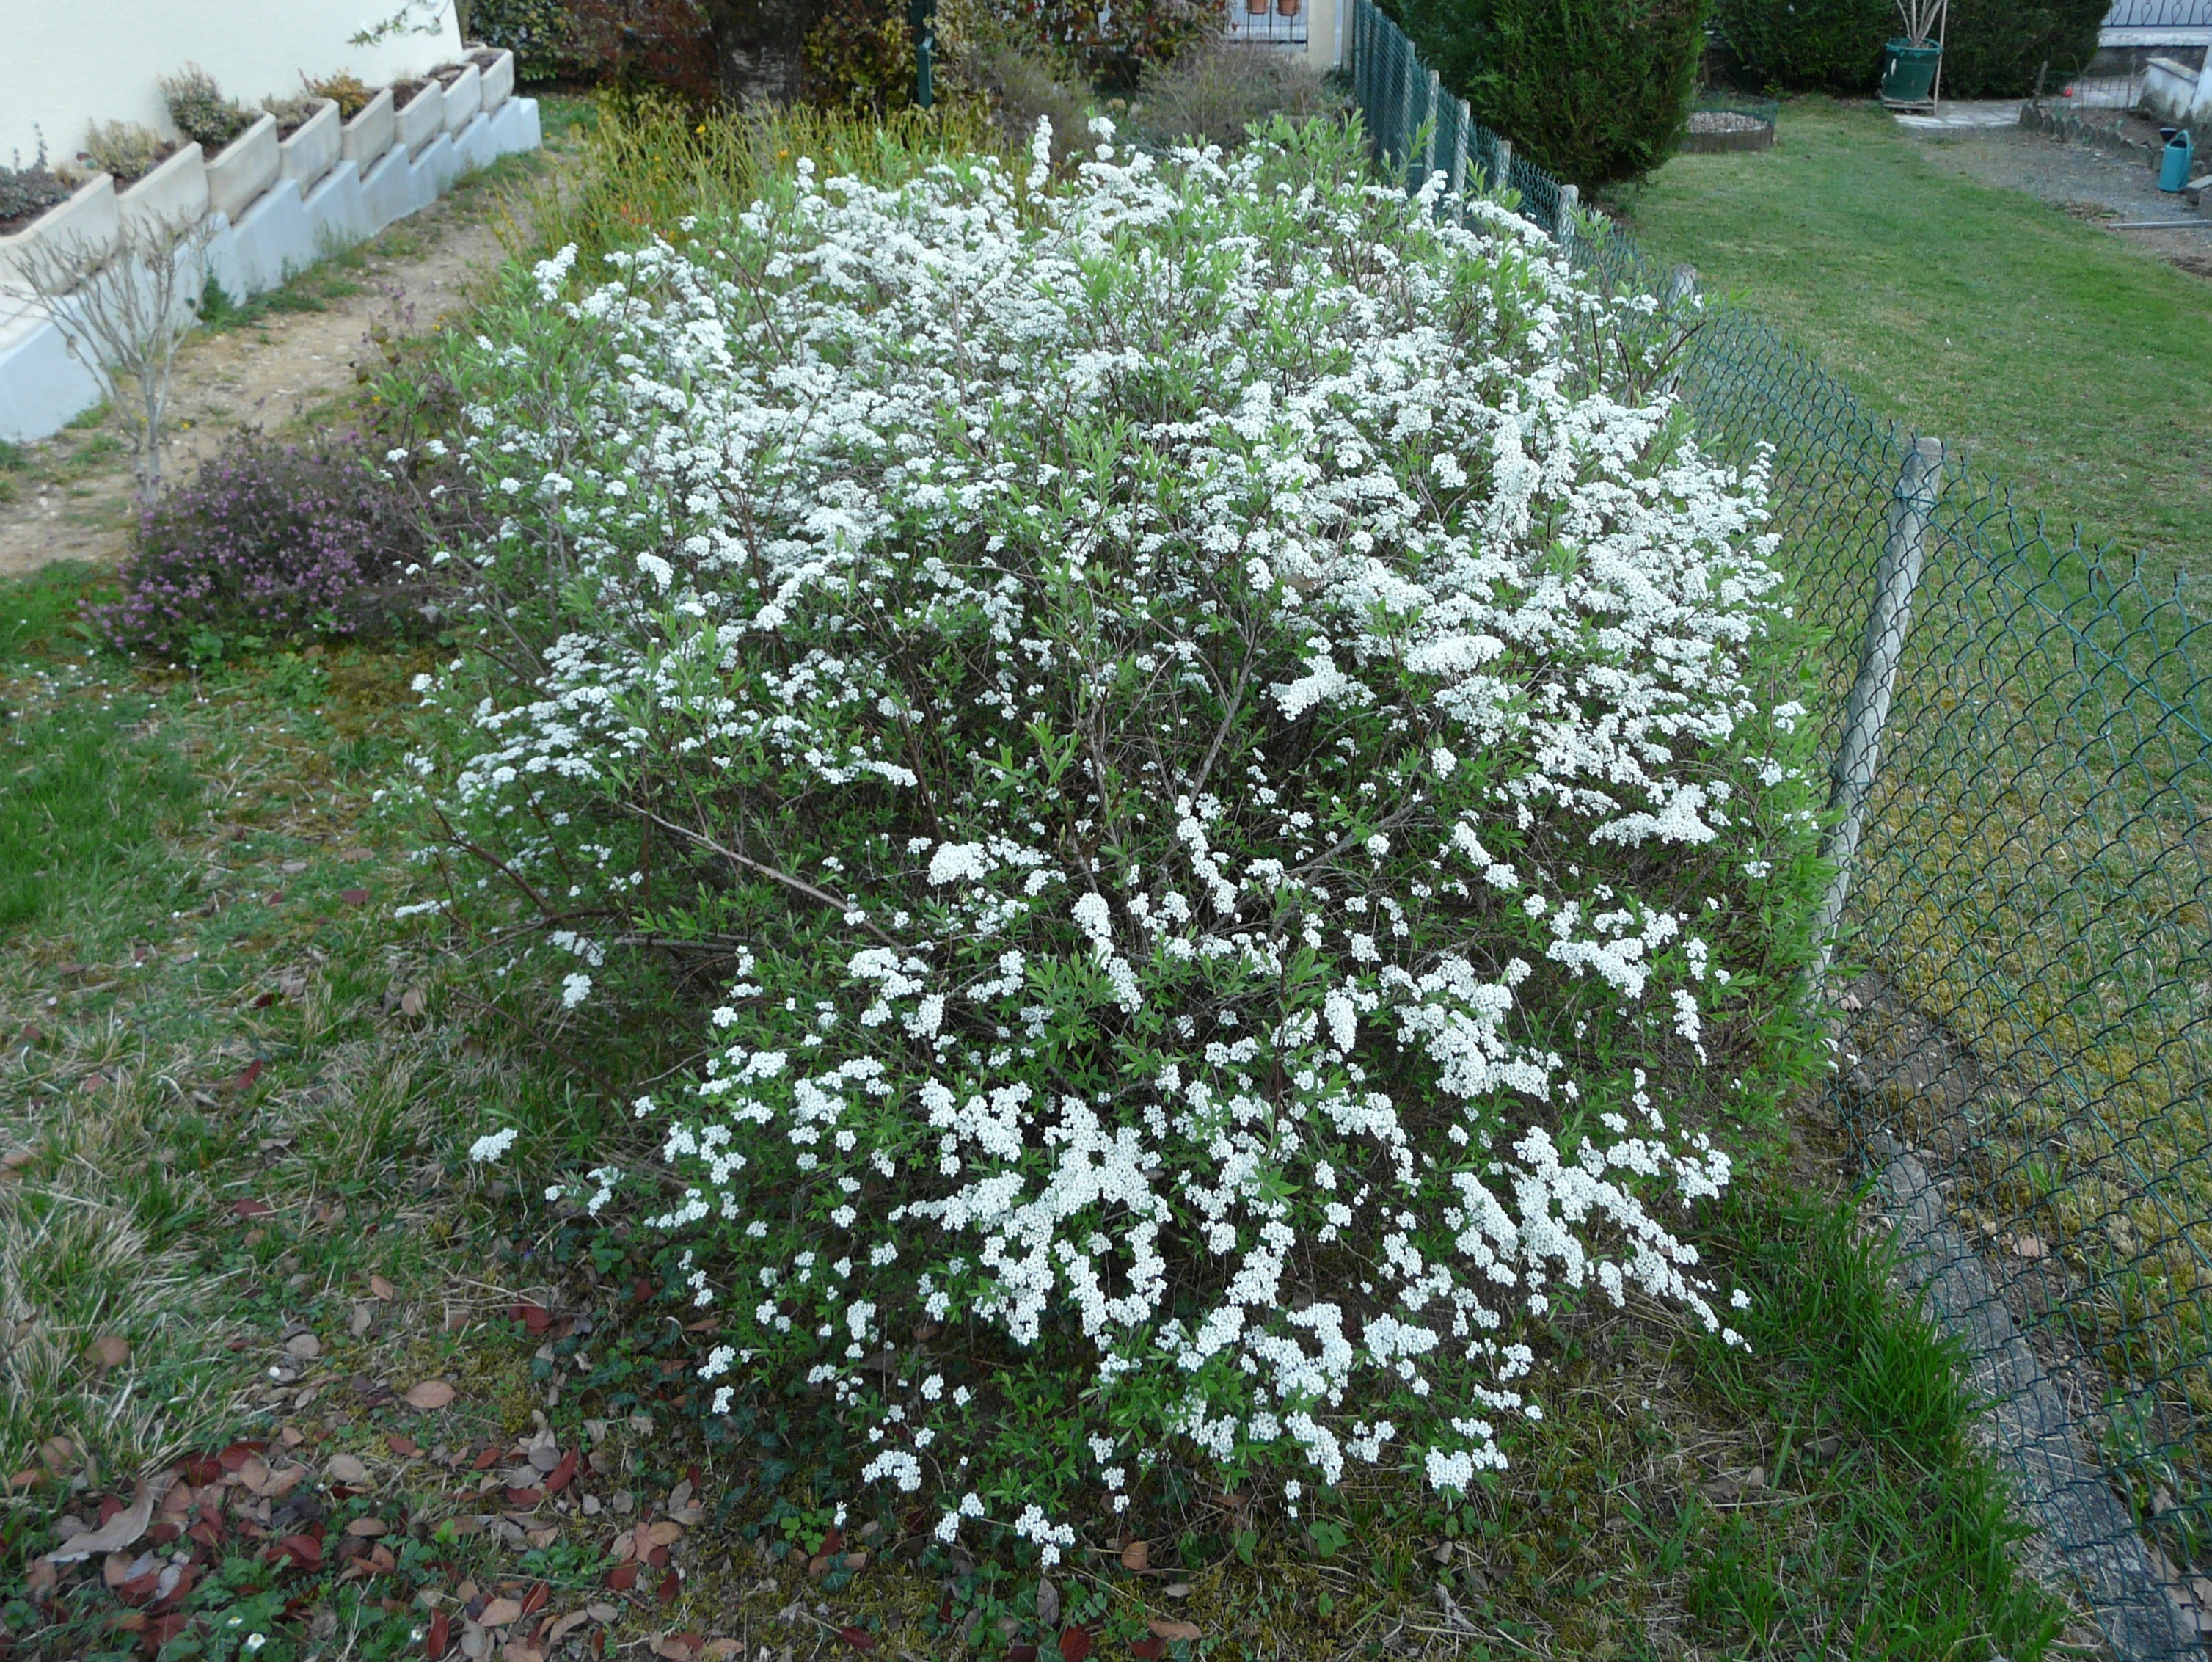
1991 48
1832 44
1595 90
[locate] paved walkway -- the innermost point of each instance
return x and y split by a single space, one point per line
1966 114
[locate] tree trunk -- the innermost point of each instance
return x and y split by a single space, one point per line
758 46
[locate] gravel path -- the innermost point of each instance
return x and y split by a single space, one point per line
2088 183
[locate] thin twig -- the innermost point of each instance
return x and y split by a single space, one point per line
798 886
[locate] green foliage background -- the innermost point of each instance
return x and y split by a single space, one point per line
1991 48
1594 90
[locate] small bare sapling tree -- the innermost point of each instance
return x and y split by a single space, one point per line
124 316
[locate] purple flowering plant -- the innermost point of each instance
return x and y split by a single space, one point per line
274 542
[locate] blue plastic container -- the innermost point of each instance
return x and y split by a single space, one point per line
2173 168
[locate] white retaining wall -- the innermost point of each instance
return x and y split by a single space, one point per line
64 66
2174 92
283 230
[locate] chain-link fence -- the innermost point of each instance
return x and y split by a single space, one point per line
2020 985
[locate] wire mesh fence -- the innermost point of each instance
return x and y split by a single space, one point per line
2021 991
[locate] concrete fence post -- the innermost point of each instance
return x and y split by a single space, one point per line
1897 573
1428 150
1504 180
1563 221
1459 160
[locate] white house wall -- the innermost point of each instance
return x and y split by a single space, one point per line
66 64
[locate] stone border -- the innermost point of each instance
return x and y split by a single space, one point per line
276 207
2061 1487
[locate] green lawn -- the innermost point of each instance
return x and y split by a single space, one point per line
2075 369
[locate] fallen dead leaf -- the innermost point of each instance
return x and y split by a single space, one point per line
367 1527
412 1003
2029 1246
500 1612
666 1532
110 1350
1137 1555
382 1288
303 1347
347 1469
119 1532
1174 1630
564 1625
429 1394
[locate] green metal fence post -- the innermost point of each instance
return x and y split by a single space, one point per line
922 14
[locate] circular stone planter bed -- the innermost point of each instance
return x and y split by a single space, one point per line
1711 132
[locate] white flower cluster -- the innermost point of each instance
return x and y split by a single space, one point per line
1231 739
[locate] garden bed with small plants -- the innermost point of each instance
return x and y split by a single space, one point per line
1082 939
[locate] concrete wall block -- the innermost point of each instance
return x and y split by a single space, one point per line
175 195
422 117
515 126
498 79
371 132
337 211
85 227
247 166
42 385
463 99
438 166
387 190
312 151
274 238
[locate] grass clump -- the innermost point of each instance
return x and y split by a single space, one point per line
647 163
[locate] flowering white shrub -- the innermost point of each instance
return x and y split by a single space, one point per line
1225 745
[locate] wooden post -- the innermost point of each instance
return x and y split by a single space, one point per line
1904 552
1942 26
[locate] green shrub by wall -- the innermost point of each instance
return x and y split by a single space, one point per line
1832 44
539 32
1595 90
1991 48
